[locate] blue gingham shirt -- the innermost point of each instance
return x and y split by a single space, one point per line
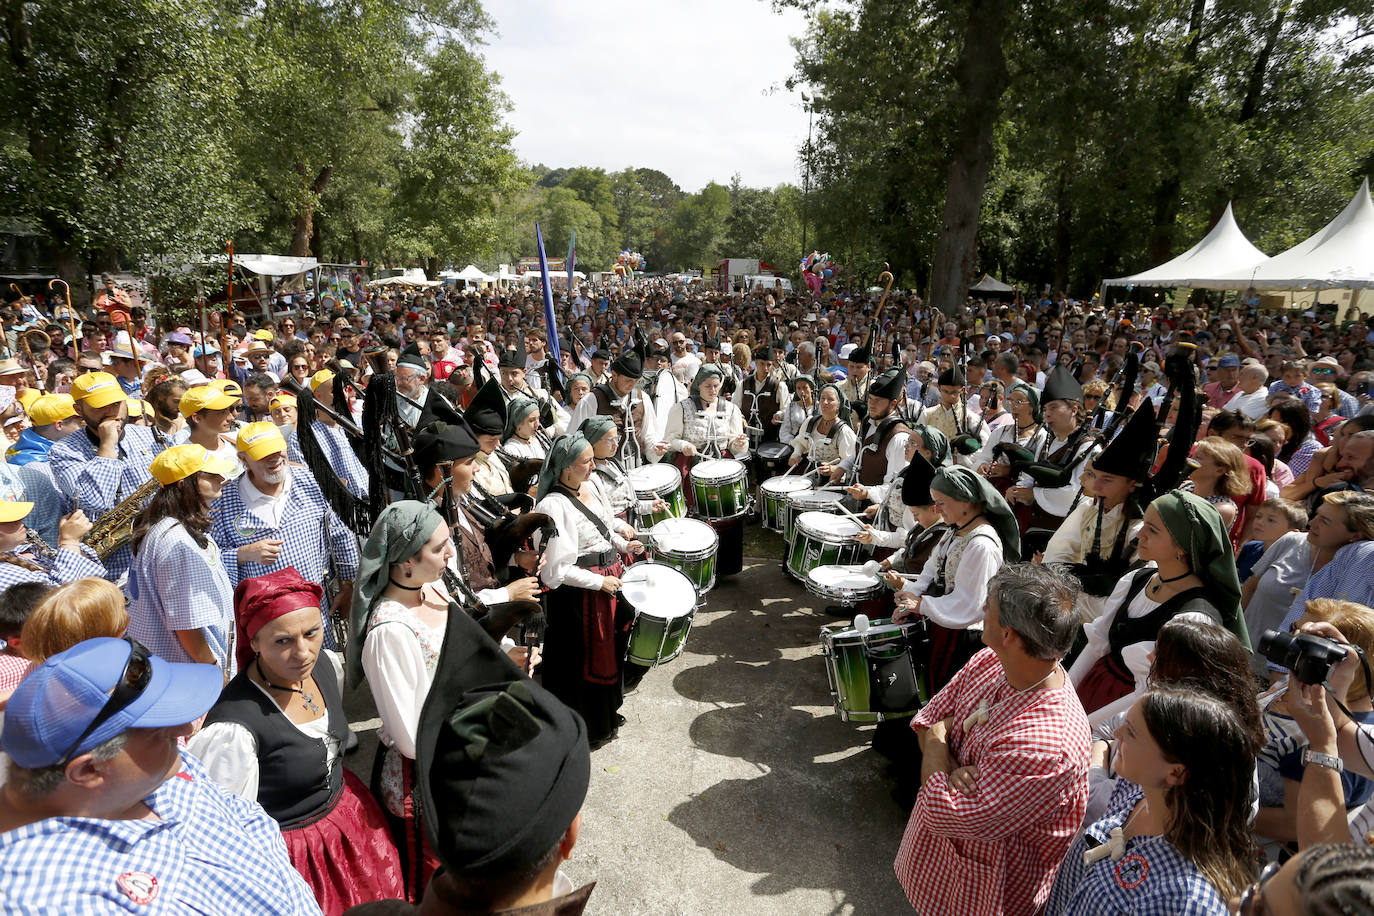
334 443
1346 578
1152 879
97 484
209 851
32 483
64 566
304 522
175 584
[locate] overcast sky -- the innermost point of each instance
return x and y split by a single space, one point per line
683 87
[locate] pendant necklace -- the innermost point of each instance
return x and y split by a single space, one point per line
1161 581
308 698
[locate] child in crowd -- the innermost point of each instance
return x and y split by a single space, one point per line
16 604
1272 521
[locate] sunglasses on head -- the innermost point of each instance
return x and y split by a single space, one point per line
138 672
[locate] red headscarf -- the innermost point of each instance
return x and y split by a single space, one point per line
263 599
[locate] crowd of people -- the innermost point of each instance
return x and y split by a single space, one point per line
1140 541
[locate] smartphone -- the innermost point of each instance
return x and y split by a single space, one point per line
1362 389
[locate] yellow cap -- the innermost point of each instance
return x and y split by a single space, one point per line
50 408
262 334
282 400
138 407
324 376
228 386
205 397
258 440
97 389
181 461
28 396
12 511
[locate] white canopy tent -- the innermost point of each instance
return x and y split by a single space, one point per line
990 284
1340 255
273 265
1223 252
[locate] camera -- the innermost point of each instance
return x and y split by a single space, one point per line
1309 657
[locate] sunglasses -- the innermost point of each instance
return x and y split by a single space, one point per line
138 672
1252 900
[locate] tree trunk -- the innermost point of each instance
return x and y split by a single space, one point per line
303 228
71 267
1174 113
1063 223
982 78
432 269
1255 89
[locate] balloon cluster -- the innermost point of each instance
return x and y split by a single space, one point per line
629 260
816 269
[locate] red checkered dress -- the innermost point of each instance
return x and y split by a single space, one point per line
997 852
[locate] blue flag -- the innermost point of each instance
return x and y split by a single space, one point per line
555 352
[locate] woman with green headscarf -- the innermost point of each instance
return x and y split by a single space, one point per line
398 618
893 516
610 478
584 645
578 386
1193 570
522 438
827 438
953 584
1025 431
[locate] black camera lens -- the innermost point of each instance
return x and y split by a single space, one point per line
1310 658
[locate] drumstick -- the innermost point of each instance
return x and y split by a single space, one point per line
862 521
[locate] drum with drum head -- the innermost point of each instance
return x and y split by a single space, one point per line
801 501
687 544
877 671
773 494
844 586
822 540
720 488
773 451
658 481
665 603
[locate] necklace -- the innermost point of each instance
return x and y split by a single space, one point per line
1160 581
409 588
308 699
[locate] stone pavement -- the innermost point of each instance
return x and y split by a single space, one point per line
733 787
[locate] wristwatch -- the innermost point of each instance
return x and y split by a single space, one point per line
1322 760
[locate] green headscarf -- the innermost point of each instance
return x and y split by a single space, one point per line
517 410
398 534
936 443
843 415
705 372
1033 395
595 428
964 485
567 385
562 454
1198 530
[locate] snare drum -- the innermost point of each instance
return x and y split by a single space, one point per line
690 545
772 451
796 503
658 481
773 494
665 602
822 540
720 487
844 586
877 675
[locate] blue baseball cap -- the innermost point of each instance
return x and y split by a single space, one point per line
1229 361
56 702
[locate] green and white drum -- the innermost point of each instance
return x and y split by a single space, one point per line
773 494
844 586
720 487
801 501
665 603
689 545
658 481
877 671
822 539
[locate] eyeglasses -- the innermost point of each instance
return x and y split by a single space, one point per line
1252 900
1323 370
138 672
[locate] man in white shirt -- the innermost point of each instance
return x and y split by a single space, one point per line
685 362
1250 400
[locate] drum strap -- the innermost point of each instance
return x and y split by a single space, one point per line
582 507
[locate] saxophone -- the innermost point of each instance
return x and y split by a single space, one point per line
115 528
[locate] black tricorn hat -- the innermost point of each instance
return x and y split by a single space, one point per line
628 364
916 481
441 442
860 355
1061 386
1132 453
511 358
953 376
487 412
889 384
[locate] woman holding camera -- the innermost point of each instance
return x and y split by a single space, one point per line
1194 570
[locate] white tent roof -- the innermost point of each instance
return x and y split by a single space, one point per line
471 272
1225 251
274 265
1339 255
990 284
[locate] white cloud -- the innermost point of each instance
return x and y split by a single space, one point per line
683 87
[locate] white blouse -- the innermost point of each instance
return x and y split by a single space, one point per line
517 449
400 667
975 561
576 536
840 444
721 424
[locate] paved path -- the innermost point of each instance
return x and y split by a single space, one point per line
733 788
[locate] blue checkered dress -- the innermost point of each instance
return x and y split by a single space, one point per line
40 489
97 484
209 851
1152 879
334 442
64 566
309 531
177 585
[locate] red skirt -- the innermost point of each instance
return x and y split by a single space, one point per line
1104 683
348 856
